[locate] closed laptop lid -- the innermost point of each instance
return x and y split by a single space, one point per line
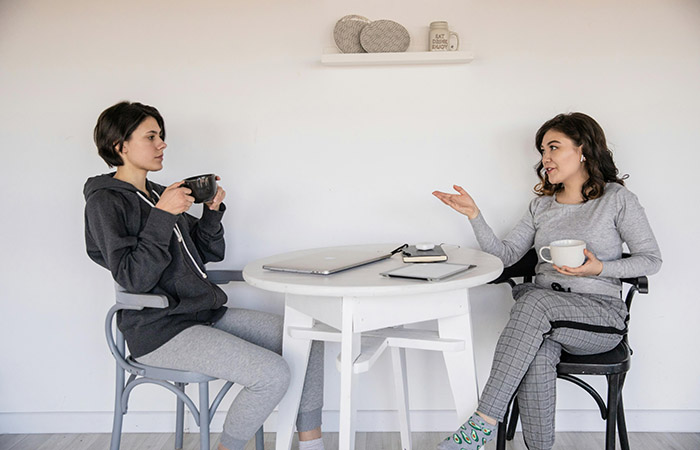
326 262
428 271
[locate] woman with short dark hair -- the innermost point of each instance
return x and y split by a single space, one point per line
141 232
580 196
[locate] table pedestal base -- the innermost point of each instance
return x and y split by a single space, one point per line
353 318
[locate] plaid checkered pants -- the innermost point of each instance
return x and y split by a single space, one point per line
528 351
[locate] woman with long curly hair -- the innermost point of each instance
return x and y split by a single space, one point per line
580 196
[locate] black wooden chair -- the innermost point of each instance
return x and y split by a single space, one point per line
614 365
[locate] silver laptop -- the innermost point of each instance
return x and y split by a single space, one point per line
326 262
428 271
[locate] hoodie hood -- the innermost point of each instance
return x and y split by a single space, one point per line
107 181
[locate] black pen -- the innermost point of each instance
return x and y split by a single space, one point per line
398 249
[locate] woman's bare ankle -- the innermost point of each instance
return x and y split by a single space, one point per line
310 435
488 419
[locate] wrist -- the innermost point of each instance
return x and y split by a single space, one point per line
601 269
217 211
160 207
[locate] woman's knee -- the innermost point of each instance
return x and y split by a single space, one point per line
532 303
270 380
278 374
544 364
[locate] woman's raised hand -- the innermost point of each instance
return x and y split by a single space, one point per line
462 202
175 199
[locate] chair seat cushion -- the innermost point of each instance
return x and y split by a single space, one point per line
616 360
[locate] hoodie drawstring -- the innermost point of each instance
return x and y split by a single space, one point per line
178 233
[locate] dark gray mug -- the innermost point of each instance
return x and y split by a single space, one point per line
203 187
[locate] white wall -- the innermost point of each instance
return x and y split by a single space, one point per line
314 156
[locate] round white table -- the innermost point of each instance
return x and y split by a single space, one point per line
360 309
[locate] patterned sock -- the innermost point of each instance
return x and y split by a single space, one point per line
473 435
315 444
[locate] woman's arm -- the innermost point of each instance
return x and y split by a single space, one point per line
635 231
512 248
207 234
136 260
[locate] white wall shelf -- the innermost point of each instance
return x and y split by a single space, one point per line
377 59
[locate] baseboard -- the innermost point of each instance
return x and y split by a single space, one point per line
686 421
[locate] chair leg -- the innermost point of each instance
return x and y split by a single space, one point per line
501 434
204 415
179 418
118 411
513 421
613 398
621 424
260 439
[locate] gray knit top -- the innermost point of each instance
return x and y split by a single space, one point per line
604 224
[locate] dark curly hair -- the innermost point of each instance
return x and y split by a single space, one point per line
585 132
115 125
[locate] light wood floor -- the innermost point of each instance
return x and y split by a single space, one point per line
364 441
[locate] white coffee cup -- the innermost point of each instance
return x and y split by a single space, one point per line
566 252
441 39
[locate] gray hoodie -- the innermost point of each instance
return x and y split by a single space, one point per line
149 250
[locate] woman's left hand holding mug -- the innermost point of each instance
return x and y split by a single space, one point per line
592 267
218 197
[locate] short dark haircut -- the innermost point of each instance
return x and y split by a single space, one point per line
585 132
115 126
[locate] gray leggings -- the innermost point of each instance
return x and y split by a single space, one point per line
244 346
528 351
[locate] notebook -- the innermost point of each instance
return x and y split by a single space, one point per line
412 255
326 262
428 271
